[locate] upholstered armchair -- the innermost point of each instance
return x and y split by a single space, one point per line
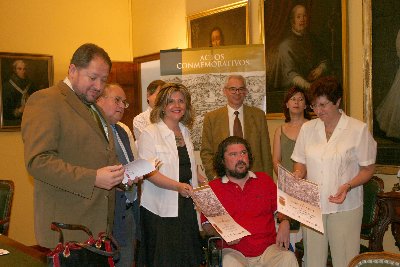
375 259
6 196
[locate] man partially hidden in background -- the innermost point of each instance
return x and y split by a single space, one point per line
236 119
113 102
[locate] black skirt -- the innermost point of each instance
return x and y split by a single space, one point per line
172 241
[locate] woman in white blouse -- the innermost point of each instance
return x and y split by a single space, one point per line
338 153
170 233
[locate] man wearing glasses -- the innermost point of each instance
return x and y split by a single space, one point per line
113 103
236 119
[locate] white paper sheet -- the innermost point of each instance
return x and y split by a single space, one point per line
138 168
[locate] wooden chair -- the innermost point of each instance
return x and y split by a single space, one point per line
377 259
6 197
370 220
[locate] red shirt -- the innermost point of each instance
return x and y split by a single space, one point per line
253 208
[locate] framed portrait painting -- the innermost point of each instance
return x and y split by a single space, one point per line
20 76
226 25
304 40
381 36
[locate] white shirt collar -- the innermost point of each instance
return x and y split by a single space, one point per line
342 123
231 110
165 131
297 33
225 179
68 82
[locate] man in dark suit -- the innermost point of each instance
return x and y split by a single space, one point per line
72 160
220 123
113 103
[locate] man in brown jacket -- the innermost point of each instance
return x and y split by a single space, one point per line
219 124
69 150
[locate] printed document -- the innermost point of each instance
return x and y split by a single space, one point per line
299 199
208 203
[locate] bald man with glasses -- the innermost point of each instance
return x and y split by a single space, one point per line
236 119
126 215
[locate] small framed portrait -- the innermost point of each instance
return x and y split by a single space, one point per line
381 37
20 76
304 40
225 25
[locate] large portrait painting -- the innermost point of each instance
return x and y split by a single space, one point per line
226 25
382 79
304 40
20 76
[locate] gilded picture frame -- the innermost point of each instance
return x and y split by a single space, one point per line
231 21
381 42
320 44
21 75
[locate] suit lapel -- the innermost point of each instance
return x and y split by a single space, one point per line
223 122
248 123
76 104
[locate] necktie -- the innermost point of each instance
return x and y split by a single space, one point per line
124 159
98 120
119 147
237 126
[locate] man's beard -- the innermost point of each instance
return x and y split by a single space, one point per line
238 174
83 98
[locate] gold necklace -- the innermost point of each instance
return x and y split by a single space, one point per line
179 139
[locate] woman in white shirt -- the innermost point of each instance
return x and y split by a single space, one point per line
338 153
170 233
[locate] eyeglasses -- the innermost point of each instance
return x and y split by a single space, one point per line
118 101
234 90
319 106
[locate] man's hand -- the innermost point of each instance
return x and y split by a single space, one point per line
234 242
282 236
135 181
315 74
110 176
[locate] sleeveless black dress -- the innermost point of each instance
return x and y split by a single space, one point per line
172 241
